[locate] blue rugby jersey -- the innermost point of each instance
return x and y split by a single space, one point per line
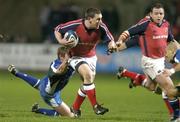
177 56
54 82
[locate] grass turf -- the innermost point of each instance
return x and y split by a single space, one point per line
125 105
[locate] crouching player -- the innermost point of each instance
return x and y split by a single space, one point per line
50 86
172 56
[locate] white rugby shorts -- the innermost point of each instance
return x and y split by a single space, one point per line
91 61
152 67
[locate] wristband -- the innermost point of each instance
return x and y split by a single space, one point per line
172 70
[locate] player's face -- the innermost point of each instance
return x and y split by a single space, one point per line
95 21
157 15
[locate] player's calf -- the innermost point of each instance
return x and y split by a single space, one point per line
121 73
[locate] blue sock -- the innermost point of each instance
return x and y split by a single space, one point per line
175 106
48 112
34 82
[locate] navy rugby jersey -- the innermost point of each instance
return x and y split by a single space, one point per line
54 82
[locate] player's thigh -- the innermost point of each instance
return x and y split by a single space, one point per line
86 67
165 83
150 85
52 100
90 61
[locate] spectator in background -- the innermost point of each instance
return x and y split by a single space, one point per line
20 38
176 22
176 29
61 14
111 17
44 20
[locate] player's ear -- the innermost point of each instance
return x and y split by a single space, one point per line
90 20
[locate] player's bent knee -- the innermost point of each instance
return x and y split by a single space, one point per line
88 77
171 93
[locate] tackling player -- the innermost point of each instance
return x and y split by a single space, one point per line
91 30
154 36
50 86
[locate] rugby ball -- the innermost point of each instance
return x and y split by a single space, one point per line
71 36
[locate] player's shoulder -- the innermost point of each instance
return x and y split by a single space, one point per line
178 52
146 18
103 25
55 62
144 21
177 56
73 22
166 22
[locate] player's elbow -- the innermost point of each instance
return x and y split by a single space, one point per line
57 36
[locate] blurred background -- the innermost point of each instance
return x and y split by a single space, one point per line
27 41
26 29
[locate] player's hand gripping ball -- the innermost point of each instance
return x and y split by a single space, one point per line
72 37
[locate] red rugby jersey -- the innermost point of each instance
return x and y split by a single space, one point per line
153 37
88 38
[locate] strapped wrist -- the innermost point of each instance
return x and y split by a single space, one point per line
172 70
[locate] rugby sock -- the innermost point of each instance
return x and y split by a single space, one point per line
175 106
48 112
166 101
79 99
91 93
137 78
129 74
140 79
34 82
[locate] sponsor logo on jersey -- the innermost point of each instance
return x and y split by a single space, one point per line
160 37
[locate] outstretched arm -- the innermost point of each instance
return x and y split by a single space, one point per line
63 66
137 29
133 41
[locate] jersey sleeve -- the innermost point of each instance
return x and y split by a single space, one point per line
177 56
170 35
55 64
132 41
138 29
106 35
71 25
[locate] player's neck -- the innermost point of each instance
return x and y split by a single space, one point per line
87 24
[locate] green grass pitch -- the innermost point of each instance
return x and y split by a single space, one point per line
125 105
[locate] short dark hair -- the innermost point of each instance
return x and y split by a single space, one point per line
90 12
156 5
